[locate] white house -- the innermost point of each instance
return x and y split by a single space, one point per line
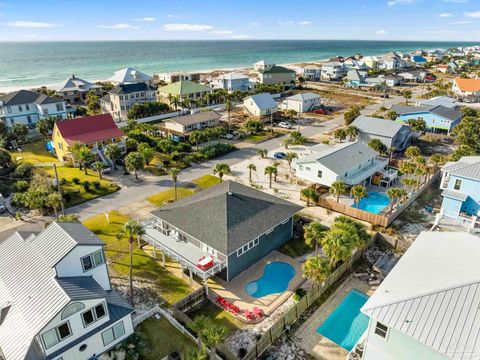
260 104
74 90
312 72
333 71
301 102
445 101
128 76
428 306
352 163
56 301
27 107
392 80
467 89
232 82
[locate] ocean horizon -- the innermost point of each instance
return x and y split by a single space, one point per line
30 64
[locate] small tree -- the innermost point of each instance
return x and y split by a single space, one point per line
351 115
359 192
289 157
391 115
378 146
196 137
221 169
412 152
393 194
99 166
113 152
310 195
84 156
6 160
262 153
54 201
134 161
340 134
313 235
251 167
147 152
316 268
270 171
352 132
174 172
407 95
45 126
337 189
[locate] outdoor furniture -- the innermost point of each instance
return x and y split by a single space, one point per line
258 312
248 315
205 262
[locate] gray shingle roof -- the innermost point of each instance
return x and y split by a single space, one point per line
381 127
447 113
27 97
467 166
458 195
303 96
227 216
440 110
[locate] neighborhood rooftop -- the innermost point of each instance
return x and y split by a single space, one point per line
467 166
27 97
202 116
263 100
377 126
442 111
303 96
131 88
183 87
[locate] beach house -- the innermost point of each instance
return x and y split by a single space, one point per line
129 76
95 132
232 82
438 118
391 61
312 72
445 101
74 90
413 75
27 107
352 163
179 128
461 188
427 306
260 105
121 98
171 77
356 78
392 134
181 91
230 225
393 80
467 90
276 75
56 300
333 71
301 102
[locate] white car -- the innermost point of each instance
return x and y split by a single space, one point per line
284 125
228 136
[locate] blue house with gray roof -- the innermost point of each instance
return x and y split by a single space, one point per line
461 188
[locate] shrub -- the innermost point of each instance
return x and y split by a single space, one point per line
165 146
176 156
21 185
299 293
23 171
63 181
96 184
183 147
76 180
213 151
86 185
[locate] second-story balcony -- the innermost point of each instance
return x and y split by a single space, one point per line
377 164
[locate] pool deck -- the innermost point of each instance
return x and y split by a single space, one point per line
314 343
235 289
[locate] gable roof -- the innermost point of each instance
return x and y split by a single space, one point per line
129 75
194 118
439 100
303 96
439 110
21 97
467 166
74 83
262 101
228 215
381 127
184 87
339 158
130 88
233 76
89 129
469 85
275 69
432 296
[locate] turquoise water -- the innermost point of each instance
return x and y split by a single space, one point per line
35 63
375 202
275 279
346 323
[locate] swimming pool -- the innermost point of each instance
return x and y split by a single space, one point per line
275 279
375 202
346 323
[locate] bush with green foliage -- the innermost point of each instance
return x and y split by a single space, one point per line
299 293
76 180
21 186
86 185
96 184
23 171
213 151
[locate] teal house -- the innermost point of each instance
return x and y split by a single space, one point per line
438 118
461 188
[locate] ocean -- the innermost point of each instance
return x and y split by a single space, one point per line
28 64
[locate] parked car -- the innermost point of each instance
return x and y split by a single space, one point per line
284 125
384 96
3 207
228 136
430 77
320 111
279 155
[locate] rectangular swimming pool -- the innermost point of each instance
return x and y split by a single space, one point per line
346 323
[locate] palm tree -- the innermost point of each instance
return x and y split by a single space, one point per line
262 153
133 230
84 156
134 162
174 172
394 195
316 268
275 164
409 183
196 137
210 334
352 132
289 157
313 234
270 171
54 201
340 134
407 94
359 192
75 150
412 152
194 354
338 188
221 169
309 194
391 151
339 242
99 166
113 152
251 167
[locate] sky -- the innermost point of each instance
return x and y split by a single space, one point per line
67 20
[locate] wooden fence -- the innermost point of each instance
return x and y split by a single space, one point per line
192 300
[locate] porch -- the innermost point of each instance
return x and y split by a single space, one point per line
377 165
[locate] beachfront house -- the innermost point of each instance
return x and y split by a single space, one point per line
438 119
171 77
260 105
445 101
356 78
391 61
371 62
56 300
301 102
461 189
95 132
413 75
333 71
467 90
392 134
276 75
179 128
352 63
393 80
232 82
312 72
129 76
74 90
121 98
427 306
181 91
222 230
27 107
352 163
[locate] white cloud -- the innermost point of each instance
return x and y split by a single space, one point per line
395 2
455 1
241 37
381 32
187 27
33 24
444 15
29 36
439 32
146 19
291 22
121 26
283 22
474 14
304 22
461 22
221 32
170 15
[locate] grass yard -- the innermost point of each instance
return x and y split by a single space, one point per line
295 247
161 339
158 159
218 316
35 153
168 195
145 268
206 181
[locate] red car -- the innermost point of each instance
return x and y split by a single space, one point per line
320 111
430 77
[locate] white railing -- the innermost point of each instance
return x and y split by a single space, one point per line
377 165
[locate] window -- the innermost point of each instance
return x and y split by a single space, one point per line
247 247
88 318
87 263
112 334
98 258
320 173
72 309
93 260
285 221
45 111
27 107
59 107
29 119
82 348
100 311
93 314
381 330
20 108
458 184
269 231
9 109
50 338
64 331
55 335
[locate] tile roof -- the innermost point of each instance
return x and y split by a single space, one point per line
89 129
381 127
21 97
469 85
228 215
194 118
184 87
467 166
434 297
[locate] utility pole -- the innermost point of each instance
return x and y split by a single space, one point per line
271 121
384 93
59 188
298 121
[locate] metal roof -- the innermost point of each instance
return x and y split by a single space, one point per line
467 166
434 297
184 87
376 126
303 96
81 287
228 215
454 194
75 84
262 101
440 100
129 75
275 69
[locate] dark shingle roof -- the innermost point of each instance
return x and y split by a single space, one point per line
447 113
81 234
275 69
227 216
131 88
440 110
27 97
81 287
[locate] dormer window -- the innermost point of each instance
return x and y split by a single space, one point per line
93 314
72 309
92 260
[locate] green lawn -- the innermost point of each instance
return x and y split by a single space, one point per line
206 181
35 153
158 160
145 268
161 338
295 247
162 197
219 317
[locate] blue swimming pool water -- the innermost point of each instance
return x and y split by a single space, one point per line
375 202
275 279
346 323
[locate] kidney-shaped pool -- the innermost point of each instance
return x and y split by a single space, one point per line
275 279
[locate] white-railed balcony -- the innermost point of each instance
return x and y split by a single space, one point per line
378 164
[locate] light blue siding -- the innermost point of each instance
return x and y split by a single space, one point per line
433 122
471 205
